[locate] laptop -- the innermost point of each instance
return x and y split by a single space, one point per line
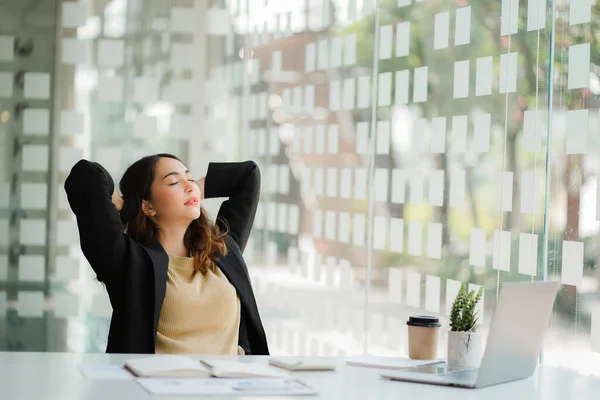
518 325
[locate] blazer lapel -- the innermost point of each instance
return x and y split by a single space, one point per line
160 263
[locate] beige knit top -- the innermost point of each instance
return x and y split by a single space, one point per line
200 312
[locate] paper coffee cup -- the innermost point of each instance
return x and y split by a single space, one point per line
423 337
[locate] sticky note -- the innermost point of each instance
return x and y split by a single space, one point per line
346 183
348 93
319 183
294 219
350 50
71 122
432 293
505 191
320 139
381 185
438 135
509 17
385 89
35 158
421 76
335 54
395 285
462 33
434 240
364 92
579 66
317 223
335 92
580 11
533 130
528 254
385 42
323 54
383 137
330 227
436 188
360 184
416 188
530 191
403 39
413 289
75 13
36 121
362 138
477 246
481 133
344 227
572 263
145 89
402 84
379 233
536 14
483 77
34 196
76 52
398 186
397 235
577 131
332 185
456 196
36 85
415 238
459 134
441 30
333 138
358 231
111 53
501 252
33 232
110 88
508 73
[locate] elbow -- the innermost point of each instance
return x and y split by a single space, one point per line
255 174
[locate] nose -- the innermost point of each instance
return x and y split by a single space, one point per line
190 187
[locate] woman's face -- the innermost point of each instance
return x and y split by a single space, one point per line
174 197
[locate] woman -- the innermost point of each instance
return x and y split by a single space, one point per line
176 281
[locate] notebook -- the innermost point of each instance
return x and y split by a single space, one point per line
176 366
388 362
303 364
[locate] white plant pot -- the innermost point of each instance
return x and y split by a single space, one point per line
465 348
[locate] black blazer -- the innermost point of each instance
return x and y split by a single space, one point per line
135 276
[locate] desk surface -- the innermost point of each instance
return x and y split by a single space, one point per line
39 376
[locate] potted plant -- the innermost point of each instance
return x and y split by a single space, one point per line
465 344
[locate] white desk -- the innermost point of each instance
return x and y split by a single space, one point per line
39 376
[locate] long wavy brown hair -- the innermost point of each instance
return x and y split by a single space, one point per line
204 240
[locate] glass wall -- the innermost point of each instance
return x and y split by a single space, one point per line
406 147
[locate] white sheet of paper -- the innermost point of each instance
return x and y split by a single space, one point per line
31 267
332 184
381 184
398 186
362 137
76 52
416 182
386 33
421 79
384 89
529 192
6 84
330 227
461 79
462 33
360 183
225 387
528 254
402 84
415 238
536 14
33 232
350 50
385 362
36 121
346 183
403 39
358 237
481 133
397 235
75 14
459 134
308 139
323 54
379 233
436 188
319 181
433 286
395 285
483 77
333 138
501 254
452 288
36 85
317 223
572 263
504 199
383 137
456 196
344 228
7 46
35 158
509 17
508 73
438 135
577 131
111 53
335 93
413 289
34 196
348 93
309 98
579 66
364 92
71 122
441 30
580 11
335 53
182 20
477 252
310 57
434 240
532 131
320 139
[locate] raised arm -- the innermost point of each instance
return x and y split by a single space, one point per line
90 191
240 181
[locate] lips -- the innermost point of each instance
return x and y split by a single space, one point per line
192 202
